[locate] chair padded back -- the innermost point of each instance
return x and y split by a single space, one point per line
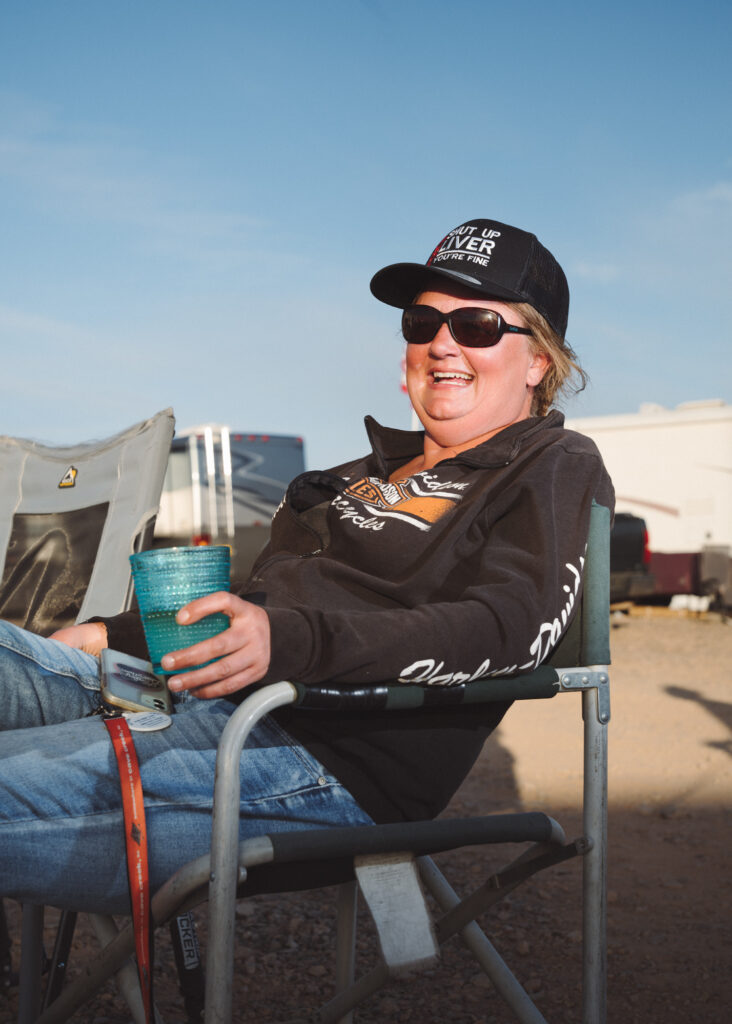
71 516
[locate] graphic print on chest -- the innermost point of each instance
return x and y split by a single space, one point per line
420 501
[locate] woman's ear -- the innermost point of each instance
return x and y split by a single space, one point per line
537 368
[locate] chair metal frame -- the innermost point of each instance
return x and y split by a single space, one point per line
232 864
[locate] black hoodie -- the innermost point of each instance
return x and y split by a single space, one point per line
470 569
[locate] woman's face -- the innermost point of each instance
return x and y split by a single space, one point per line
462 394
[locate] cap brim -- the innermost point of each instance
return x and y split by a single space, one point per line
399 284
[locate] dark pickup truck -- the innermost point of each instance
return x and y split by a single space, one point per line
630 557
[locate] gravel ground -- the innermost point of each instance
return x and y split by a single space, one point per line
669 878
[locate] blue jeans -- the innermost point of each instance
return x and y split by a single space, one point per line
61 828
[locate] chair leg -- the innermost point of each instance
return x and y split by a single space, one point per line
8 977
482 948
346 941
191 977
594 875
60 956
31 963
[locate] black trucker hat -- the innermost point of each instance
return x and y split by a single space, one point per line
492 259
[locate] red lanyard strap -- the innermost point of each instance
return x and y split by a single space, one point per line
136 843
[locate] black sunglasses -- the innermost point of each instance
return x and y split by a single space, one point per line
471 326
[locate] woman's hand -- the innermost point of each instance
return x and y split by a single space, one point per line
87 636
243 648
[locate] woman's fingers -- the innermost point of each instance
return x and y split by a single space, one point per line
242 651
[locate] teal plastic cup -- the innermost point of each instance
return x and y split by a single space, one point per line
166 579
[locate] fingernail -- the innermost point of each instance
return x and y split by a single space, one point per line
175 684
183 615
167 661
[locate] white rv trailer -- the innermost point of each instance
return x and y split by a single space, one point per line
673 467
222 486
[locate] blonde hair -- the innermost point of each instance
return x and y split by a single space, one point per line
563 374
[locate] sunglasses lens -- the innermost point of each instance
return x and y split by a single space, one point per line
420 324
476 328
471 326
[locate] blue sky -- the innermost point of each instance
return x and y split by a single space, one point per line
194 197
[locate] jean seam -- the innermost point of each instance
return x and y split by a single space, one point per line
310 762
69 817
262 801
73 819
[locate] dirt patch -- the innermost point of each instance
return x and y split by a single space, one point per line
669 927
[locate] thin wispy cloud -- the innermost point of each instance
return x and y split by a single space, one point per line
34 326
711 199
53 166
681 242
686 246
603 273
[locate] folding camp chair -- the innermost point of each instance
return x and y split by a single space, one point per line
69 519
382 858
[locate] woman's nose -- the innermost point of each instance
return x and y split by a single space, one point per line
443 343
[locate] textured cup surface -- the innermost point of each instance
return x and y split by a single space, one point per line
167 578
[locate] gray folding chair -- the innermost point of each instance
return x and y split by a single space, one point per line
69 519
382 859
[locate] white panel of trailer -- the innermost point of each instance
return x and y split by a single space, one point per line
673 467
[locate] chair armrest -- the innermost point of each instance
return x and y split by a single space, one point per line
542 683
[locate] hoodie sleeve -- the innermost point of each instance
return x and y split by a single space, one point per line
125 633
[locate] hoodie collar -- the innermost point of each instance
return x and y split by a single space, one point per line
392 447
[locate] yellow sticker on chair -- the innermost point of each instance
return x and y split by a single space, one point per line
69 477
